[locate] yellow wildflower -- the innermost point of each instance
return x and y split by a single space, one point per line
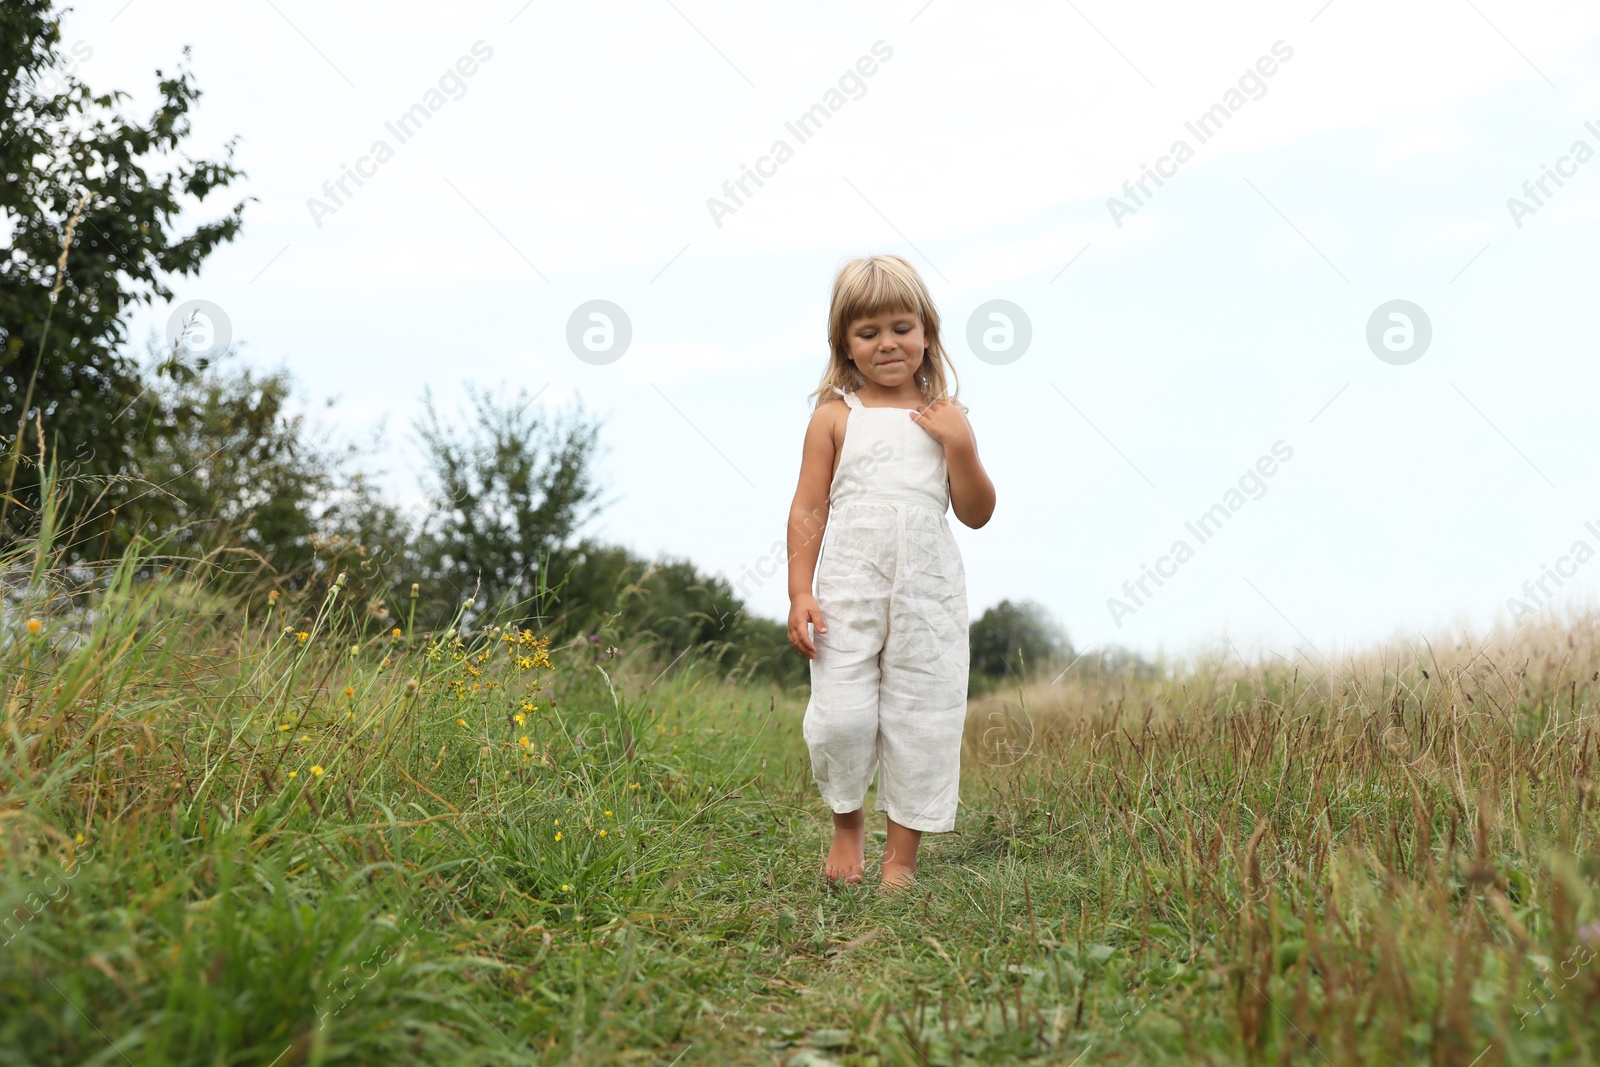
608 813
305 737
283 727
272 597
395 632
602 833
78 839
302 635
566 889
461 722
316 769
520 718
523 741
294 774
349 690
386 661
558 838
34 626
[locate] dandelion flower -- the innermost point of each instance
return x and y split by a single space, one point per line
317 770
294 774
302 635
395 632
34 626
349 690
523 741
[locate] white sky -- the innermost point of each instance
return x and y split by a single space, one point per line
1229 313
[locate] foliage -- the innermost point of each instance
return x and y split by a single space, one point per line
1017 639
509 487
610 591
79 172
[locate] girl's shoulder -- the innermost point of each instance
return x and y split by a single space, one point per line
830 401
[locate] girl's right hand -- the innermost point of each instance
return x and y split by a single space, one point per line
804 609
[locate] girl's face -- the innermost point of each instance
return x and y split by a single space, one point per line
888 348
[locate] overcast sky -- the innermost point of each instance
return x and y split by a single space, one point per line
1181 335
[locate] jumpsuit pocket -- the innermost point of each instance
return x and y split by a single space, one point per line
851 615
928 635
929 628
853 580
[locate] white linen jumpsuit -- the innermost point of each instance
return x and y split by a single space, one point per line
889 678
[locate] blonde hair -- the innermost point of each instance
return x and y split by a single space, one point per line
872 285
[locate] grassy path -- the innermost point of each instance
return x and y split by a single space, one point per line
227 843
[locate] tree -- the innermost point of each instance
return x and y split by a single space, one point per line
623 599
1016 638
509 488
227 473
88 201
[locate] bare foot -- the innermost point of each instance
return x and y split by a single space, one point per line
900 856
847 856
897 876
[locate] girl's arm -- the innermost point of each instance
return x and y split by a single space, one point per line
971 491
808 518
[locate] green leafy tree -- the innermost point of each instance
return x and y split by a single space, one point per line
88 200
609 594
509 488
1014 639
230 474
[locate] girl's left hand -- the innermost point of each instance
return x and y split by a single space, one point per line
945 423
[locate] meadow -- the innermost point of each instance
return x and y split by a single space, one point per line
238 829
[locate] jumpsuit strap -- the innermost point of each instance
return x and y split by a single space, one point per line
849 398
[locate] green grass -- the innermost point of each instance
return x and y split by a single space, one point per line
1388 860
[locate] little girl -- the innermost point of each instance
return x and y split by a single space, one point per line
887 452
